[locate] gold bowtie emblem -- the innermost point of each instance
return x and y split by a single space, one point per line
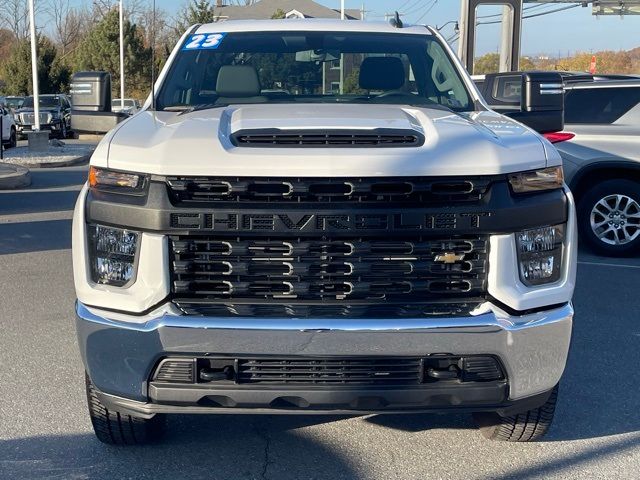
449 257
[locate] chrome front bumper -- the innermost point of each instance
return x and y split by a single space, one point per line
119 353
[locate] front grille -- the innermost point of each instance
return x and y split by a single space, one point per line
318 139
30 118
347 371
384 371
418 191
270 309
348 274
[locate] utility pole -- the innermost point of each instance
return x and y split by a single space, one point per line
342 17
121 55
505 42
34 66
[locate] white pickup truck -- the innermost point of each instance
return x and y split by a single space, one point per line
320 216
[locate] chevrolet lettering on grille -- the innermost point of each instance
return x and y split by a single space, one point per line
311 222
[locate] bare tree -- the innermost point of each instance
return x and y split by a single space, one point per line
132 8
154 25
68 23
14 16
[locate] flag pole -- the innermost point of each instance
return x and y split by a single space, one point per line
34 66
121 56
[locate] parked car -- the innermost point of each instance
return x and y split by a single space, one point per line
600 148
8 135
368 252
602 162
131 106
55 115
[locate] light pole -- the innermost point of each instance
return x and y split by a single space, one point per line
342 17
121 56
34 66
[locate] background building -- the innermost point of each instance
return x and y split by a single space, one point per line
265 9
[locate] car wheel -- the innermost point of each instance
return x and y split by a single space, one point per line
528 426
115 428
13 139
609 217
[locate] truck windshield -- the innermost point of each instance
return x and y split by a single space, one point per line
216 69
44 101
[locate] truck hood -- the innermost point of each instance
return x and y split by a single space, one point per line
42 110
198 143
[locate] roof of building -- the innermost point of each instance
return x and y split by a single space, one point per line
264 9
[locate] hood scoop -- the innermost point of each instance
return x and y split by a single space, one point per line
318 126
324 138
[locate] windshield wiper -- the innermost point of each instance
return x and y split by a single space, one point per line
184 109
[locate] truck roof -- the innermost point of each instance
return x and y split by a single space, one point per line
310 24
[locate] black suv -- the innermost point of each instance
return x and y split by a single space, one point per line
55 115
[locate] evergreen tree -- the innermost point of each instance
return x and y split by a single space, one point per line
100 51
53 75
196 12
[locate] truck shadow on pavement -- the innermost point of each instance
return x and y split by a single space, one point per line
599 389
243 447
24 201
35 236
44 178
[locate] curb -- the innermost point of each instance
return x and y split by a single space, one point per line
18 177
65 163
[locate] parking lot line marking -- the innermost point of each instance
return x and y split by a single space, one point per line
36 217
602 264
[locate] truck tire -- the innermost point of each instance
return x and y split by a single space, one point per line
528 426
616 202
115 428
13 139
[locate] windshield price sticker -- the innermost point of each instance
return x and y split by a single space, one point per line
204 41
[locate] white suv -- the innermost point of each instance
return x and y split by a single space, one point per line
8 134
320 216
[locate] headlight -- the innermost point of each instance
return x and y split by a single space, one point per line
540 254
537 180
113 255
16 118
120 182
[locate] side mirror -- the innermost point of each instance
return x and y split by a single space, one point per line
542 104
533 98
91 103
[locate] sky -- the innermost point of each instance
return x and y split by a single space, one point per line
558 33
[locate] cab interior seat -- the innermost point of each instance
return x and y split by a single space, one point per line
386 74
239 84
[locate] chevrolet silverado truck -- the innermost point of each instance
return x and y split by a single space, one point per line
321 216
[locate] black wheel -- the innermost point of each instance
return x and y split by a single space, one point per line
63 131
13 139
609 217
529 426
115 428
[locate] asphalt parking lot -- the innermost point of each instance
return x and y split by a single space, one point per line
45 430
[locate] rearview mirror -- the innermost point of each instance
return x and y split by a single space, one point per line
320 56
